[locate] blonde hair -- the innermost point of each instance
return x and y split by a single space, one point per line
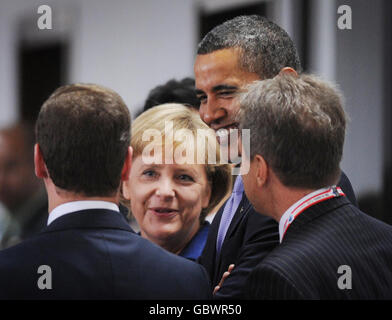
182 117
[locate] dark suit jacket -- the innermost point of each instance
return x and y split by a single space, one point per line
345 184
250 237
94 254
324 237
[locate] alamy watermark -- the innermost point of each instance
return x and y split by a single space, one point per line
183 146
345 280
345 20
45 280
45 20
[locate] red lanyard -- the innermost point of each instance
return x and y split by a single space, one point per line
309 201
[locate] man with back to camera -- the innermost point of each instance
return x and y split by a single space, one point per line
329 248
88 251
232 55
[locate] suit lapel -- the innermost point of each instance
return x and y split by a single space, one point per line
235 222
211 244
239 214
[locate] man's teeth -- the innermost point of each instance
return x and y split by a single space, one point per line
223 132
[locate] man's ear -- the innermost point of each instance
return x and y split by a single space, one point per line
288 70
39 163
261 171
126 170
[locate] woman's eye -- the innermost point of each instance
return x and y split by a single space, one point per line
185 177
149 173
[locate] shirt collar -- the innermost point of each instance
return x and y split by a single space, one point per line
73 206
287 213
195 247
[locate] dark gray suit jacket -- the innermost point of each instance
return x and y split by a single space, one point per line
249 239
326 236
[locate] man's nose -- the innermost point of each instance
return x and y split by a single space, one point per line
211 112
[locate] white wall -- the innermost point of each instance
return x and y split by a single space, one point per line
8 13
132 46
359 56
129 46
353 59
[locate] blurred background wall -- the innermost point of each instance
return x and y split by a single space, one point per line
133 45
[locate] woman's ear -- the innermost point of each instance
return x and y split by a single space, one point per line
207 196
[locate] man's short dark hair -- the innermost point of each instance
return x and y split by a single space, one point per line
265 48
83 131
297 125
173 91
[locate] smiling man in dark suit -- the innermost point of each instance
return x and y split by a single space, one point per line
88 251
232 55
329 248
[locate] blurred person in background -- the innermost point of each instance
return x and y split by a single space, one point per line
170 199
21 192
4 219
173 91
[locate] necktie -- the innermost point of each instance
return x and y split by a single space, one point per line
228 212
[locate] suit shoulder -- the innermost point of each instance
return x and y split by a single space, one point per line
268 282
174 263
180 274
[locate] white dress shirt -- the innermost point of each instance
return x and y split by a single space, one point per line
73 206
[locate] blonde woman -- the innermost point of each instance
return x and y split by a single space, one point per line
172 186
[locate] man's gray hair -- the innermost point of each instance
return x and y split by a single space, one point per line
297 124
264 47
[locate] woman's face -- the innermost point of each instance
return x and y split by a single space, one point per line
166 200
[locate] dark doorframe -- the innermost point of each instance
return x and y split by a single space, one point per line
387 174
42 69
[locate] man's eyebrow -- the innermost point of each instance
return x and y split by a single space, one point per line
220 87
223 87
